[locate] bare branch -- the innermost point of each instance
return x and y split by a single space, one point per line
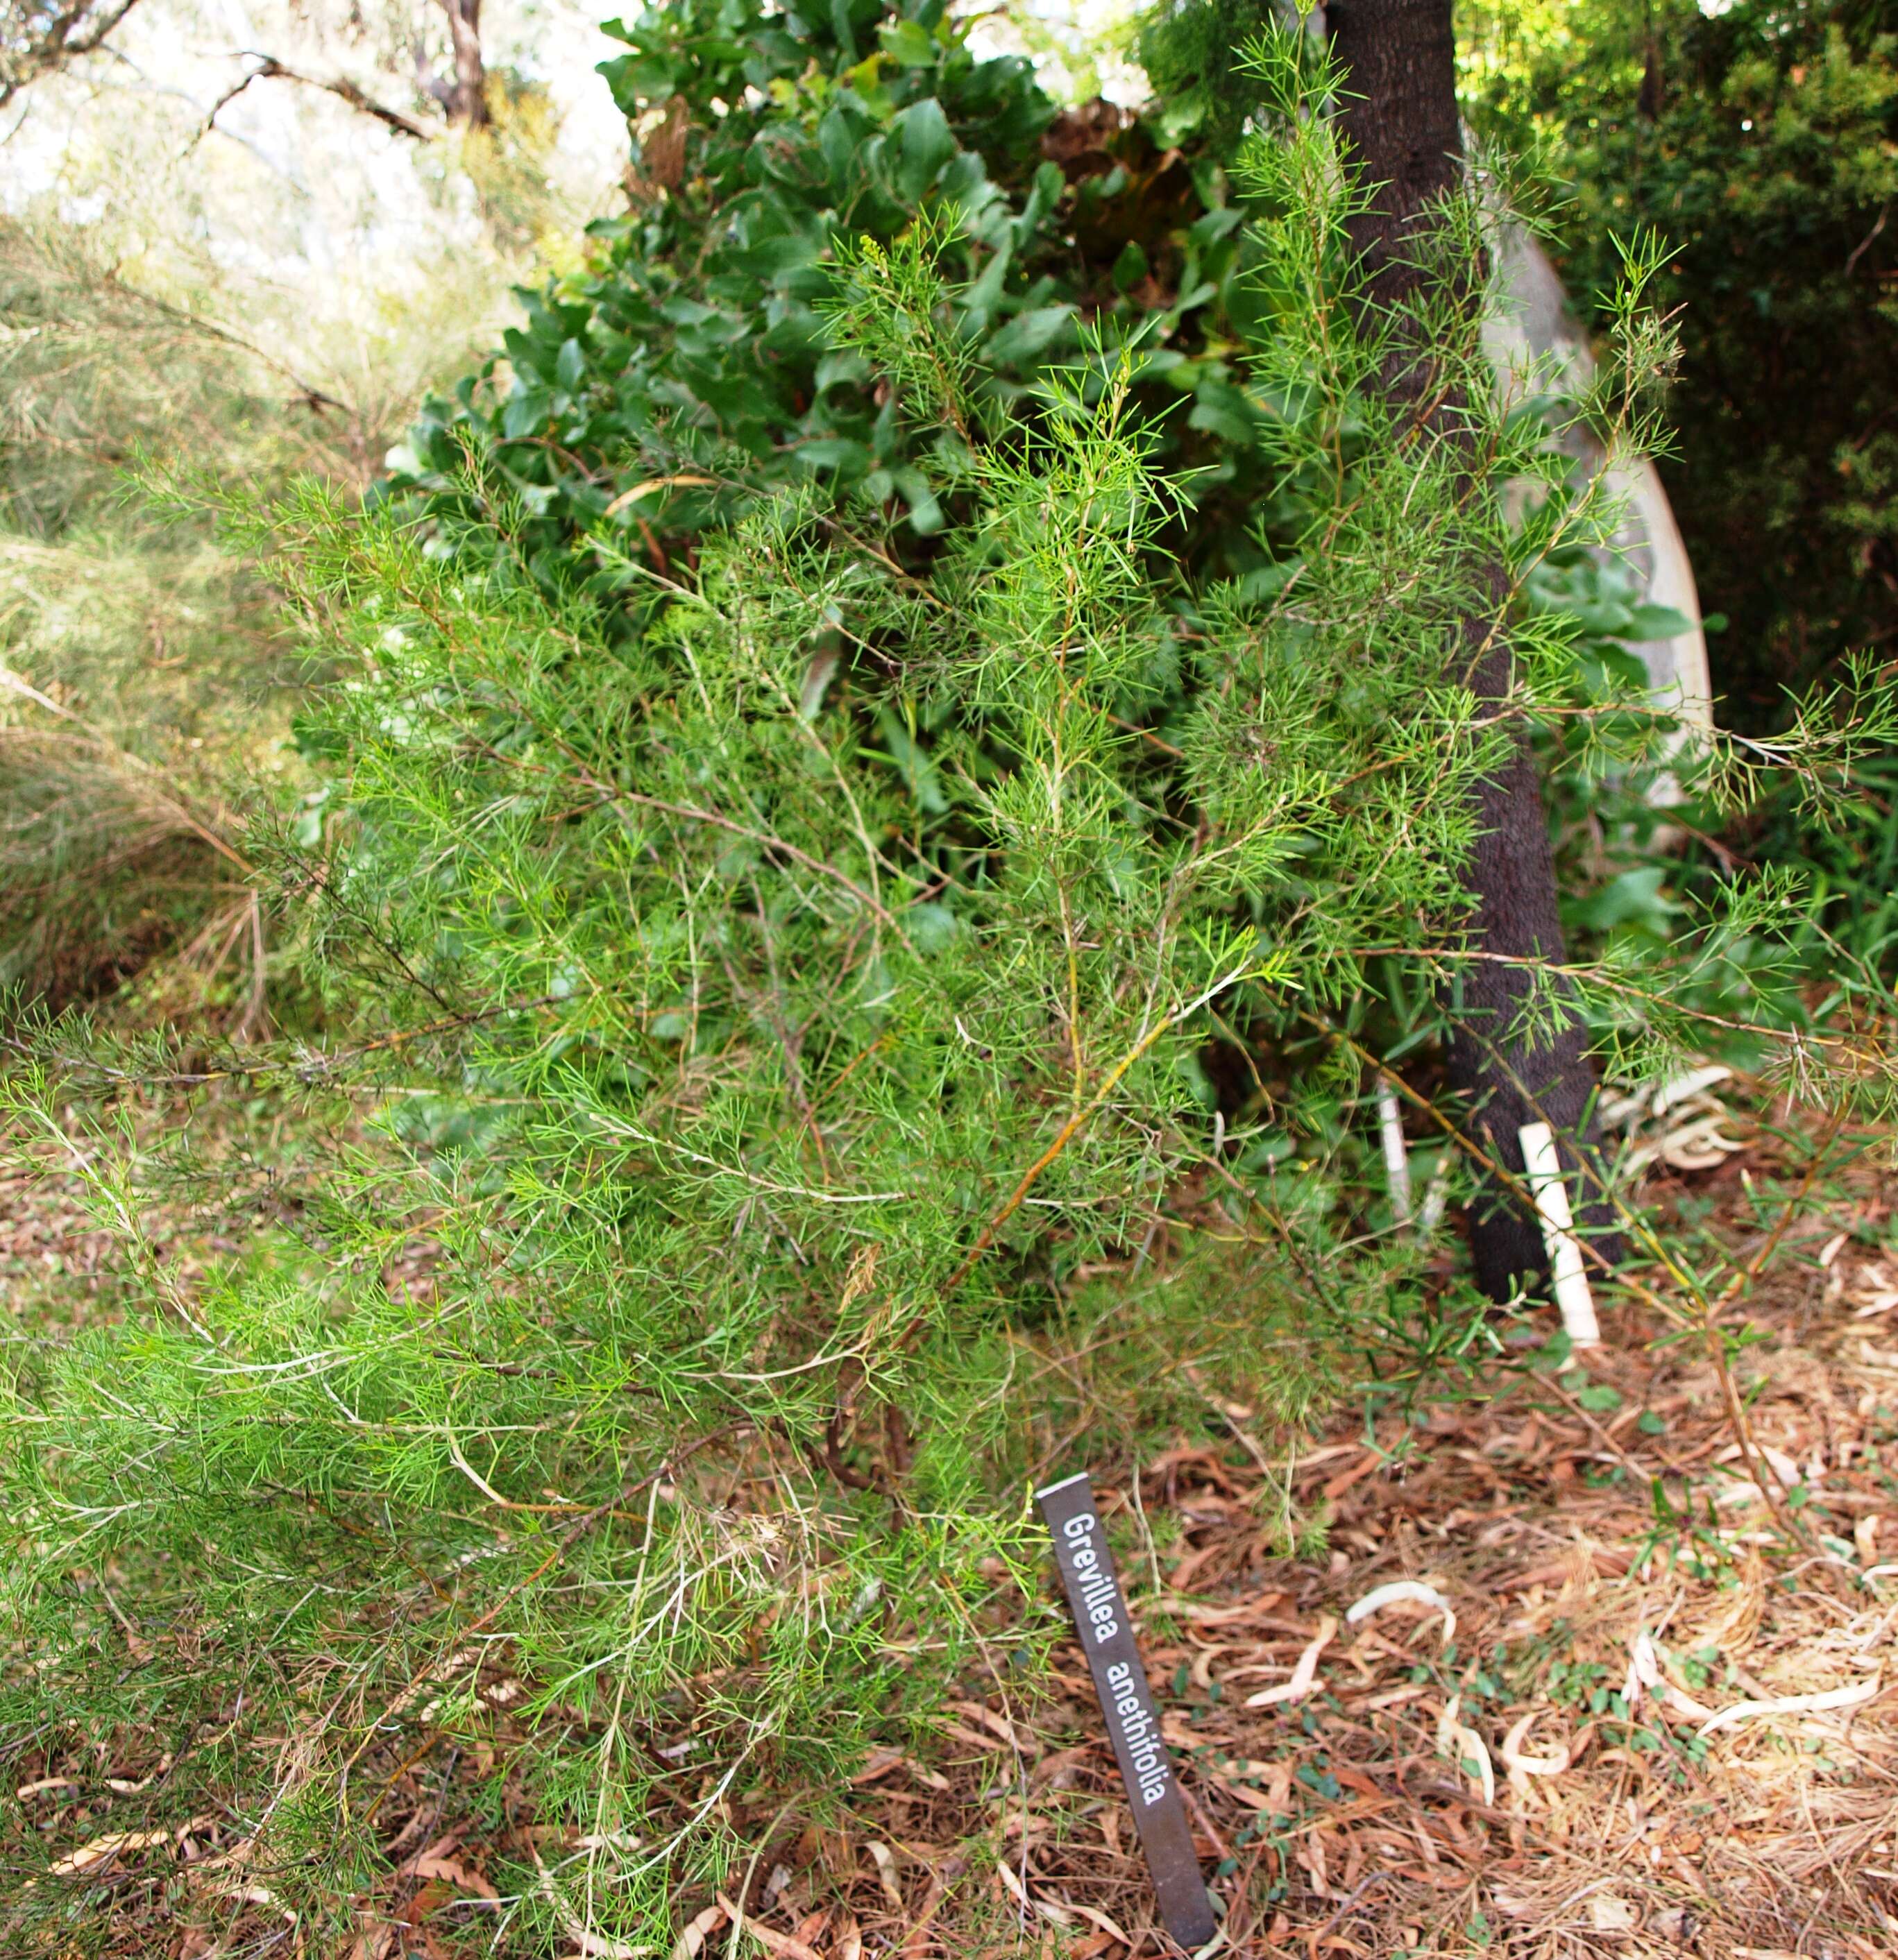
34 42
269 69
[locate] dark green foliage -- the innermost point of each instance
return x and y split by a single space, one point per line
1762 145
1193 51
660 393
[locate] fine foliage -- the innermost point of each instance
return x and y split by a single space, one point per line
138 661
832 1011
144 690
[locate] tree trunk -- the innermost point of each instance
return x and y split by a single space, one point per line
1401 120
467 96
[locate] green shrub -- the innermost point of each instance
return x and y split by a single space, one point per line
686 372
797 992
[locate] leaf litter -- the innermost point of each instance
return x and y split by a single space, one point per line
1556 1686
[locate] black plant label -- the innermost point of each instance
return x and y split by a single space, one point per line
1133 1725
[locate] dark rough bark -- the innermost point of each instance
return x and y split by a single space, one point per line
468 99
1401 119
1502 1084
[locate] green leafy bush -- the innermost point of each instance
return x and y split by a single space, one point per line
686 372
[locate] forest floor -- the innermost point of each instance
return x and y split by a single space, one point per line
1640 1701
1658 1716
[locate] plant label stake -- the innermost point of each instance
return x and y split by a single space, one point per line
1133 1727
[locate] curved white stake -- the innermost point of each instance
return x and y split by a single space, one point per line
1391 1130
1542 1167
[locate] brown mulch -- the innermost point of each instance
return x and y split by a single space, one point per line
1579 1767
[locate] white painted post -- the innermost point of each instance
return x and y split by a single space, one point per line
1542 1167
1397 1159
